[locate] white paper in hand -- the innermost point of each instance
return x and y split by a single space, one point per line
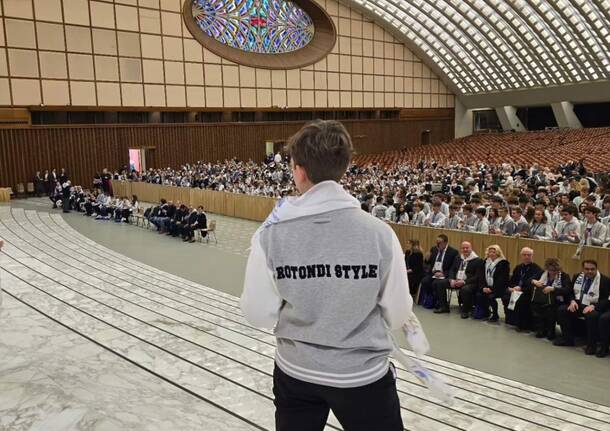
514 297
435 384
415 336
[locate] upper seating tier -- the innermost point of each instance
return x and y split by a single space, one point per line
546 148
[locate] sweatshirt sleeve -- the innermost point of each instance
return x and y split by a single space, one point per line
260 301
396 302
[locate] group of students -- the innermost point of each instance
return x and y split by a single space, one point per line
97 204
177 220
533 298
562 221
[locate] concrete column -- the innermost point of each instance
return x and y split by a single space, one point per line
508 119
463 120
565 116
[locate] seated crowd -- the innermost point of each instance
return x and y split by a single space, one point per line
563 204
95 203
177 219
533 298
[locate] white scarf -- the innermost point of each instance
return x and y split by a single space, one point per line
461 274
490 269
592 297
556 283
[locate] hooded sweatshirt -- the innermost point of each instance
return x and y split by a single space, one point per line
331 280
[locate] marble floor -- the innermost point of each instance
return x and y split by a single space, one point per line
91 339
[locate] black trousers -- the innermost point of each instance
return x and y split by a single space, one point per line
604 330
302 406
426 285
521 316
567 320
414 280
487 300
188 231
544 318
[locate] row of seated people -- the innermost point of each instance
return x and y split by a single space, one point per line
177 220
533 298
95 203
565 222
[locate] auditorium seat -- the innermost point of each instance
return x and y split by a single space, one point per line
546 148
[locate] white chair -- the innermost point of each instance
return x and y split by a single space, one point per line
211 230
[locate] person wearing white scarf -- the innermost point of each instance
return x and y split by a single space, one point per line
467 274
589 296
550 291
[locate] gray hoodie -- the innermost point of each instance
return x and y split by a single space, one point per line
331 280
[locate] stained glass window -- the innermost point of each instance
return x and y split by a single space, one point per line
260 26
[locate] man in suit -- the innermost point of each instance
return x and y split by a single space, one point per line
177 221
196 220
439 261
467 274
588 299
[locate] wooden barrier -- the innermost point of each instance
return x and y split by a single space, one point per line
5 194
257 208
510 245
230 204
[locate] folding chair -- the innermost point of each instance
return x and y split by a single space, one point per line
211 230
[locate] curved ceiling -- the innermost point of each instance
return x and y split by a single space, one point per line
487 46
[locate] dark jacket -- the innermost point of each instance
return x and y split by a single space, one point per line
415 262
523 275
450 255
560 295
475 271
604 291
500 278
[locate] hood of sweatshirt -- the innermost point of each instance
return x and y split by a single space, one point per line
321 198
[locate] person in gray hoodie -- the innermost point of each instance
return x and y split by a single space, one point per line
331 281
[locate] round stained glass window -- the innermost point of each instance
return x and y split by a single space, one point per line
273 34
262 26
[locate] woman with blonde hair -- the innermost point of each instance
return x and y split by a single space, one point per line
497 274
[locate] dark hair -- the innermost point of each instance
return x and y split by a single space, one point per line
443 237
589 261
570 209
480 210
517 210
414 243
591 209
323 148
